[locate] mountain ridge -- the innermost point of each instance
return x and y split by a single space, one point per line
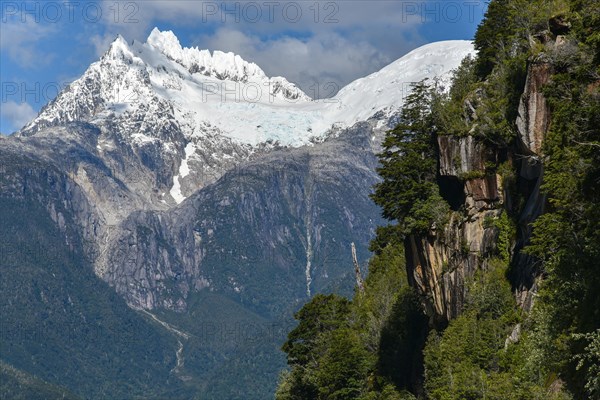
189 126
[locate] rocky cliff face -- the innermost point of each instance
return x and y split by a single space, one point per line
534 116
532 124
440 262
287 219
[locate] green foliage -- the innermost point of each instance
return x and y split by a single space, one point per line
433 212
499 100
589 361
463 80
284 386
384 284
506 234
489 294
385 235
19 385
494 36
62 325
392 323
323 313
452 113
471 358
343 367
408 193
463 363
586 24
309 343
402 337
472 175
369 350
506 28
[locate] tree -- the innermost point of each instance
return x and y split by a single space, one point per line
466 361
402 340
323 313
408 193
307 344
344 367
491 38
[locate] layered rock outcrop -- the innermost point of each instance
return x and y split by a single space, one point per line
534 115
441 262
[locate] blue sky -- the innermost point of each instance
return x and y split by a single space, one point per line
44 45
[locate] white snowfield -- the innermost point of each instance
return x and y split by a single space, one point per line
223 94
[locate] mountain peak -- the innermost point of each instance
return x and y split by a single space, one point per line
166 42
219 64
132 81
166 103
119 49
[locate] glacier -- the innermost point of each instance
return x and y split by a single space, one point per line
194 105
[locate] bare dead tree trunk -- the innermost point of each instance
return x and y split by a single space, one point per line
359 280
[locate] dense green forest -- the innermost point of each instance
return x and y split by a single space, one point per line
62 326
383 344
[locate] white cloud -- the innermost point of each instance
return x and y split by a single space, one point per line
272 16
310 43
319 64
18 40
101 43
17 114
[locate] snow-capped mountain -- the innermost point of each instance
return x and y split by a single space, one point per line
193 183
234 96
192 115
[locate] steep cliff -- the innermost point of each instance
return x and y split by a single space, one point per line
266 232
483 181
440 262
